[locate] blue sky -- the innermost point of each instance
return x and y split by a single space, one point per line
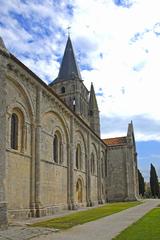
117 44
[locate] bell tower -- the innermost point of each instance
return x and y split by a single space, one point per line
69 84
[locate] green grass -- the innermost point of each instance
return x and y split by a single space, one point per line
85 216
147 228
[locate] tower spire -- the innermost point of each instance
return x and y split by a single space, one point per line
69 69
69 85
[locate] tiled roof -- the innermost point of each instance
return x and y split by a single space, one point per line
115 141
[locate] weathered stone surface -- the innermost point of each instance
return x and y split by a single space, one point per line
24 233
32 182
3 127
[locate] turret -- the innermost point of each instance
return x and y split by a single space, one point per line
94 112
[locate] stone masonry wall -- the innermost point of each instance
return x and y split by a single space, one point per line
3 201
36 185
116 177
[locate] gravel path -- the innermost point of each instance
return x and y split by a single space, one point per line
103 229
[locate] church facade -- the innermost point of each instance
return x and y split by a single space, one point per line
51 154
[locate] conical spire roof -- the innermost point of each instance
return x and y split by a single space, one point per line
92 100
69 68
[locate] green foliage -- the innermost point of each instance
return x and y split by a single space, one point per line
141 183
154 182
147 228
85 216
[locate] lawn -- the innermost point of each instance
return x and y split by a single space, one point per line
147 228
81 217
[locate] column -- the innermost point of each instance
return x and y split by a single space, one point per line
99 176
88 173
71 165
3 138
37 151
32 193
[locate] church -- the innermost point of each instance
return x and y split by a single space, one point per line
51 154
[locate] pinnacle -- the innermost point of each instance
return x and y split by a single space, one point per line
3 47
92 101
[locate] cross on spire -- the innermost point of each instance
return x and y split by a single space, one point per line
68 28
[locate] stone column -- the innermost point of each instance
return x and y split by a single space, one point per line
136 173
68 175
32 193
88 173
24 131
106 174
3 135
127 174
99 176
37 151
71 165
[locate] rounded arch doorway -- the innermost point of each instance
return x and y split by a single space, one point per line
79 191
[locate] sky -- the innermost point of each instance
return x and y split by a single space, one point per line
117 45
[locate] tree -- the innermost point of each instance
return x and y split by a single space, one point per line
141 183
154 182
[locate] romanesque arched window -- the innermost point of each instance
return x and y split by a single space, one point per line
63 90
102 189
57 148
105 167
92 164
102 167
14 131
78 157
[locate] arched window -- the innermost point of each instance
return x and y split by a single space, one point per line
92 164
63 90
14 131
91 113
105 167
102 167
102 189
78 157
57 148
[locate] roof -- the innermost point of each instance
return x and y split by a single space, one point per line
69 69
115 141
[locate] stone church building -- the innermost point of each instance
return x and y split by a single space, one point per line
51 154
